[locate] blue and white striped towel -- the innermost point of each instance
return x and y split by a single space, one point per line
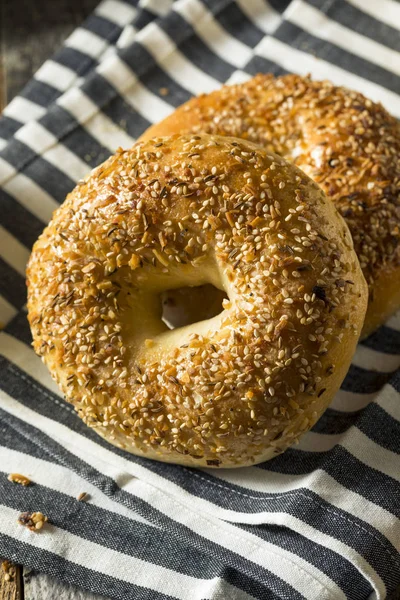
319 522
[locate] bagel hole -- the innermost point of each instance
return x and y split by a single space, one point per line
187 305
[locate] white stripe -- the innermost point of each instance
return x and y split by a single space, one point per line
127 37
212 34
389 401
303 63
109 52
150 106
53 429
30 195
387 11
356 442
318 442
371 454
394 321
24 110
131 477
117 12
318 24
7 312
351 402
182 70
6 170
85 111
359 445
23 356
44 143
261 13
61 479
93 556
13 252
3 143
238 77
56 75
87 42
372 360
281 485
364 449
325 540
157 7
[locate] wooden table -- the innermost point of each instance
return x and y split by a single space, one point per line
30 32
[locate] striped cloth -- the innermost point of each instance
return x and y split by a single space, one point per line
318 522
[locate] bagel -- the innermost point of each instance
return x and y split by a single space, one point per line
349 145
229 391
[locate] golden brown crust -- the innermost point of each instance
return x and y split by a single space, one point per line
230 391
349 145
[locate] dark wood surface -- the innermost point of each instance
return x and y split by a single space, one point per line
30 32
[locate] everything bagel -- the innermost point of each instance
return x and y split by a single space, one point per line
349 145
191 210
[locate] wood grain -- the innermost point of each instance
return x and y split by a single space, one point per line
10 589
30 32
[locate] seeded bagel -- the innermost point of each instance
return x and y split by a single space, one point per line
232 390
348 144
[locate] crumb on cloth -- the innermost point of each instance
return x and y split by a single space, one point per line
18 478
34 521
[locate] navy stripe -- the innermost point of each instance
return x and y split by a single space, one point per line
18 327
47 176
21 223
102 27
303 41
14 439
12 285
380 427
345 469
152 76
194 48
277 588
237 23
17 154
25 389
259 64
334 565
114 106
133 3
395 381
384 339
143 18
61 123
334 421
82 144
353 18
76 60
279 5
40 93
72 573
8 127
16 383
92 523
361 381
